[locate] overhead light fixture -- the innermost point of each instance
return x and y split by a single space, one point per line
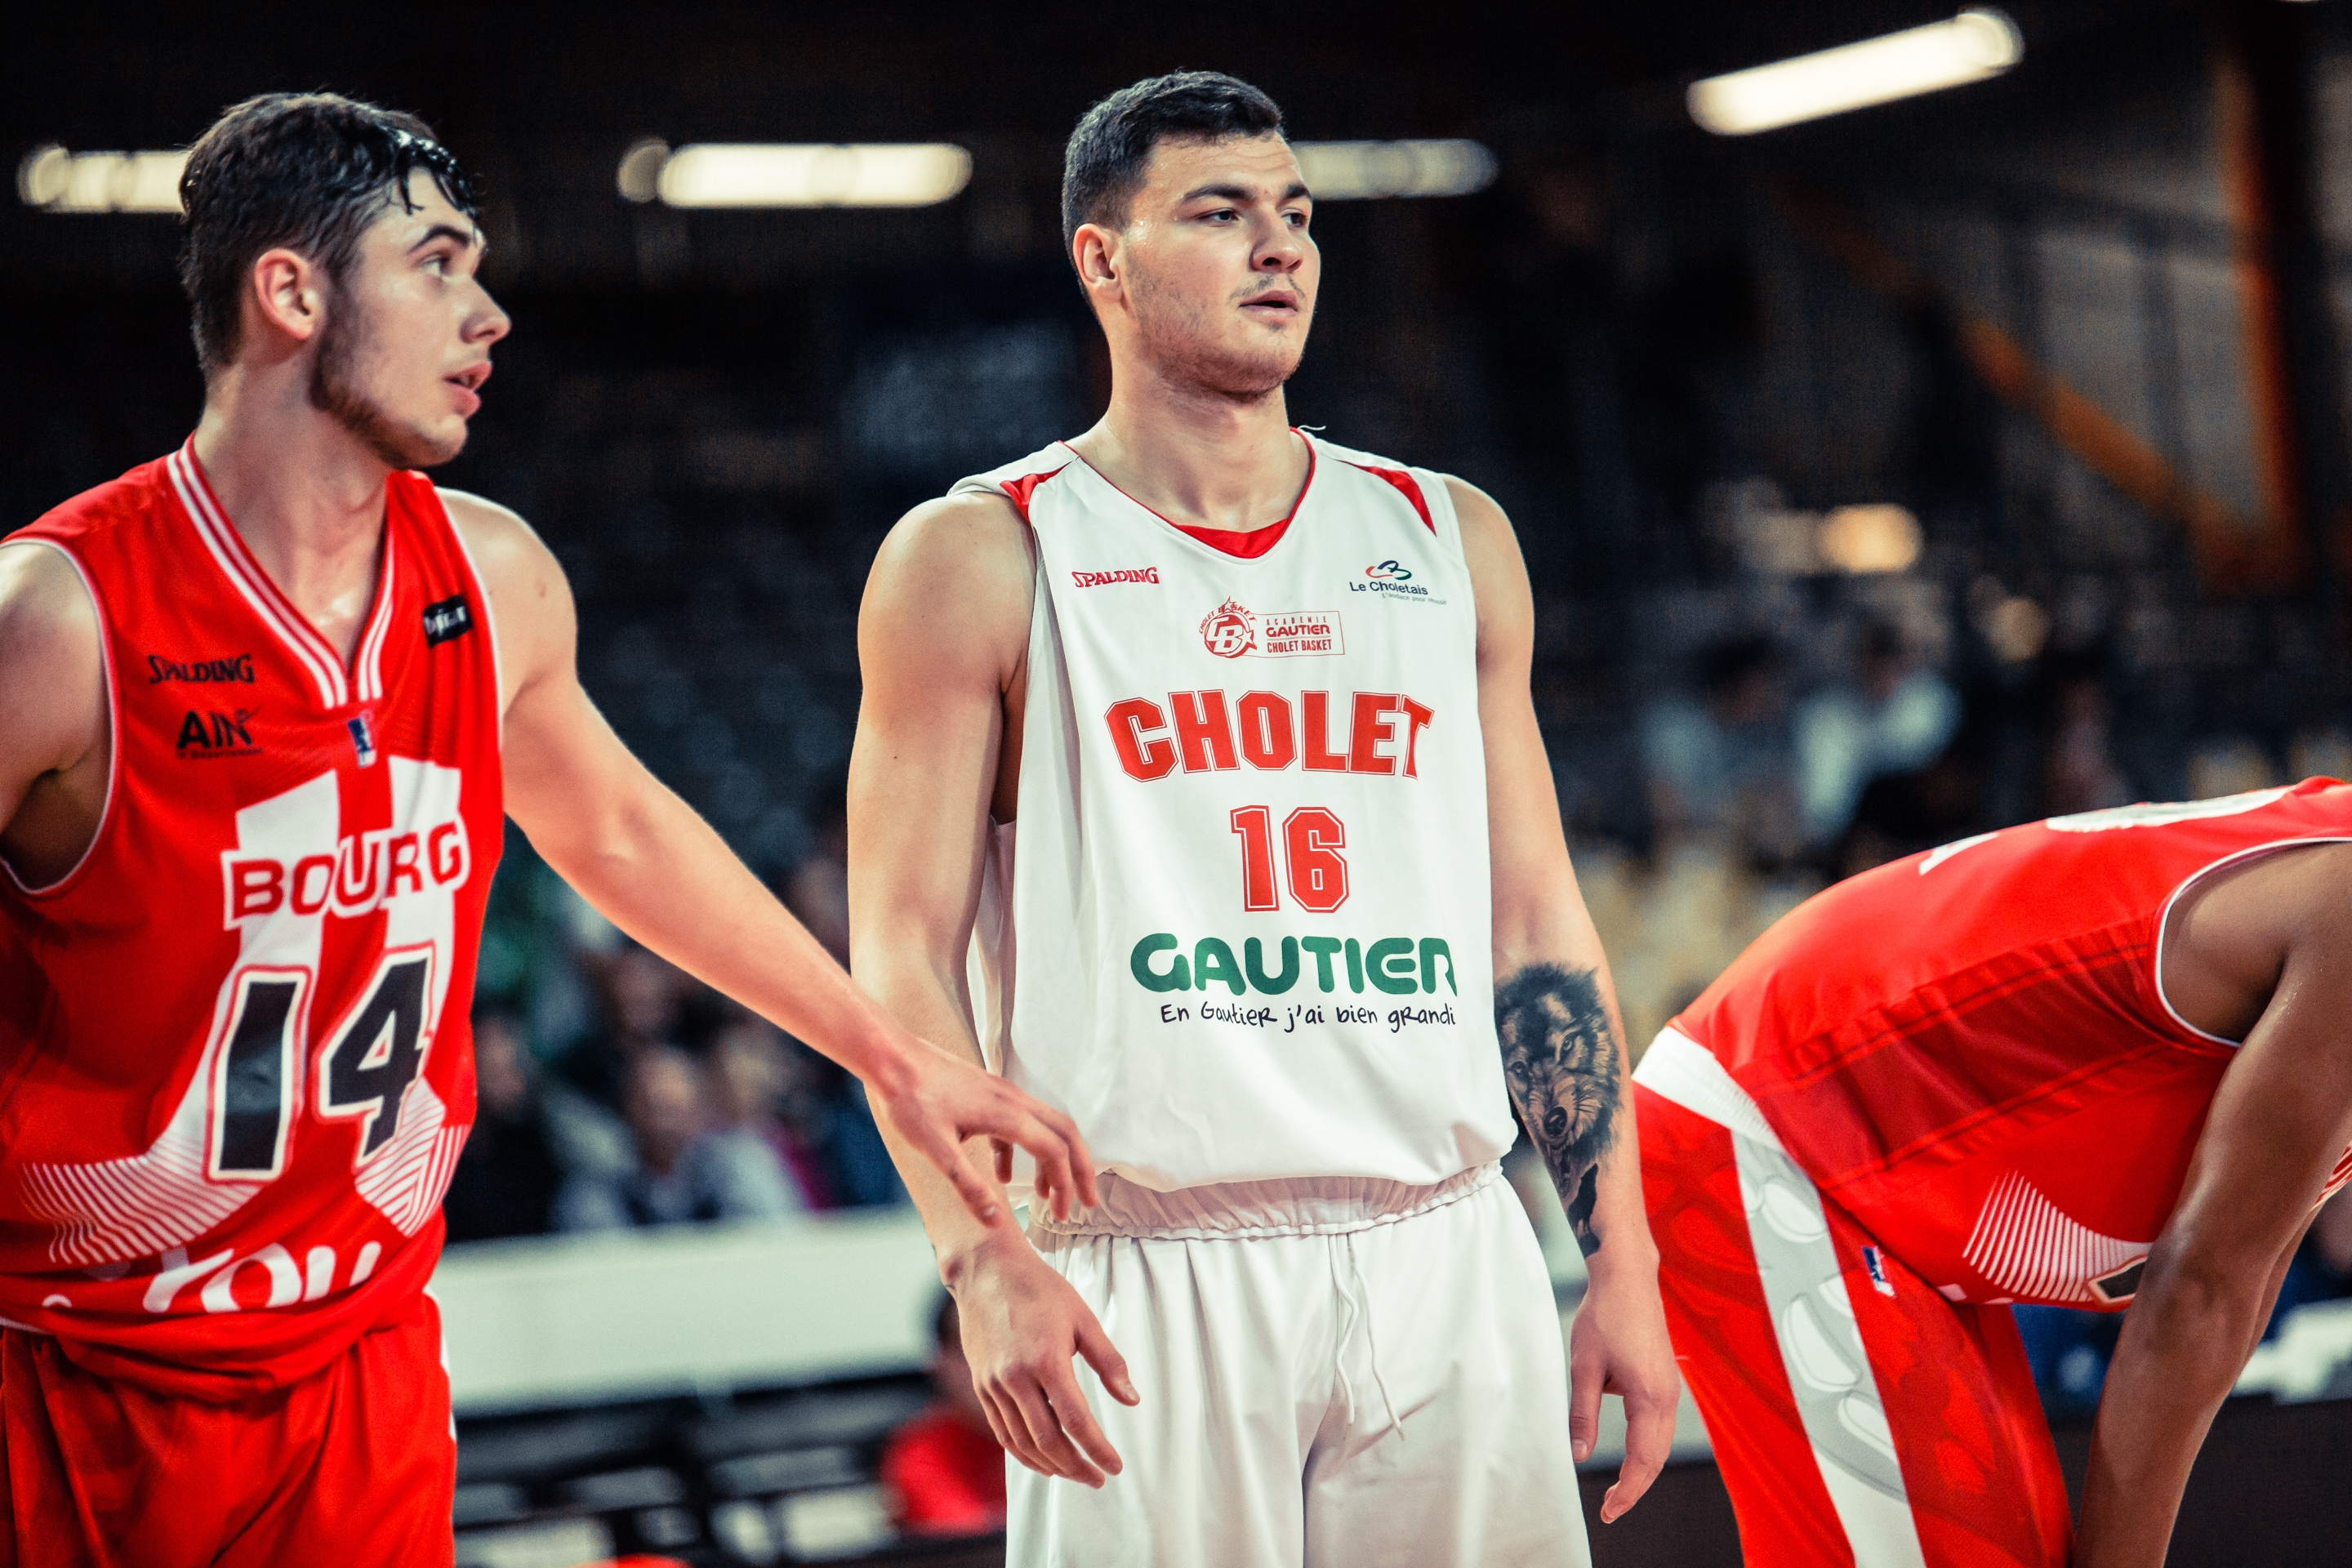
55 180
787 174
1979 42
1359 171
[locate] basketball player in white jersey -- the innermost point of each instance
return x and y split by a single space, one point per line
1289 926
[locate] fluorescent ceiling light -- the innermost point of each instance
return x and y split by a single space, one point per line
1354 170
781 174
1979 42
58 180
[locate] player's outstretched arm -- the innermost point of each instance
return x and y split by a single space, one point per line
2282 1116
641 855
53 713
1563 1047
941 639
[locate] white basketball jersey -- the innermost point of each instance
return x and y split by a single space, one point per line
1249 923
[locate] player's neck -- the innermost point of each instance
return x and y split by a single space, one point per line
1196 458
306 496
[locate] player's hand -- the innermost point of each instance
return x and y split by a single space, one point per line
935 1101
1022 1325
1619 1346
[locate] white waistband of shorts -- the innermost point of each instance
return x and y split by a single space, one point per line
1679 1069
1301 1205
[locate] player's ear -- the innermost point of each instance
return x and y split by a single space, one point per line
287 297
1097 253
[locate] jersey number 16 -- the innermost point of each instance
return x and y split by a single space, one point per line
1312 839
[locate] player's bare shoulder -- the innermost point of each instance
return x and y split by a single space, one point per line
953 582
1498 574
55 743
506 549
52 667
531 605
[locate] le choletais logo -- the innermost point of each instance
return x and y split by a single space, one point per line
1394 578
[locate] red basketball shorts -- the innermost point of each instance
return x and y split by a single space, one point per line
1857 1415
353 1467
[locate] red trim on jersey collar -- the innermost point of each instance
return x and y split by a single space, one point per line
1022 488
244 573
1245 545
1406 483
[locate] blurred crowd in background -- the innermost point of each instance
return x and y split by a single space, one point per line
615 1090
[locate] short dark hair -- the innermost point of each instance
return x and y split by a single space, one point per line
308 170
1104 162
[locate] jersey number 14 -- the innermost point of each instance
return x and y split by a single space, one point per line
376 1053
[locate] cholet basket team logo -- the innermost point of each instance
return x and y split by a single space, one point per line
1230 631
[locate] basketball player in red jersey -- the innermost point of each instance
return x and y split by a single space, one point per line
263 707
2098 1061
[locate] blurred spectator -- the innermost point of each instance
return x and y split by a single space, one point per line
1905 813
1893 718
944 1469
2322 1269
2319 752
2230 764
765 1083
686 1169
507 1179
2079 771
642 1000
817 890
1722 765
1669 928
861 1161
2069 1351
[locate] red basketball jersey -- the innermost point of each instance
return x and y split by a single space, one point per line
236 1068
1970 1050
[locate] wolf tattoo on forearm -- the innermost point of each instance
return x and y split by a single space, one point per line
1560 1058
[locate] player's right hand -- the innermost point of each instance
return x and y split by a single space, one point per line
1022 1325
935 1101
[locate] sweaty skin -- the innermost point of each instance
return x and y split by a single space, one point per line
2261 954
1205 293
333 386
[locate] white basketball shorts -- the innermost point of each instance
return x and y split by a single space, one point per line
1335 1373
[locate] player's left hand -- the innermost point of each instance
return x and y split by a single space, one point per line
1619 1346
935 1101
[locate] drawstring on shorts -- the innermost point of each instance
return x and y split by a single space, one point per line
1358 1296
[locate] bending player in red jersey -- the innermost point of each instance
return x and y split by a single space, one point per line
2099 1062
263 705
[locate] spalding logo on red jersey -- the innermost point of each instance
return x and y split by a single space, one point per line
367 871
